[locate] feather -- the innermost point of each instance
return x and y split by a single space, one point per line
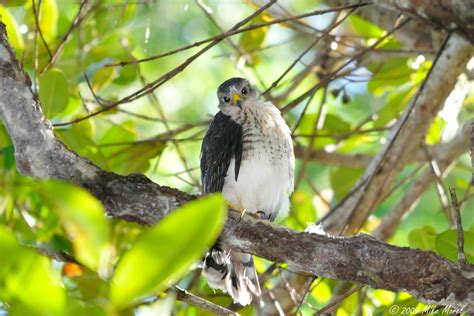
222 142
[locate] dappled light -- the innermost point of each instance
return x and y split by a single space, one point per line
104 106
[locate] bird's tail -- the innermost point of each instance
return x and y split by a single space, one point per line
232 272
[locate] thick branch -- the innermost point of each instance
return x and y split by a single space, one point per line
135 198
362 160
449 15
404 140
414 35
361 259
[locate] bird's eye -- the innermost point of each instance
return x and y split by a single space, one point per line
226 99
245 90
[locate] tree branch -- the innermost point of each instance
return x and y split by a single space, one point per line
449 15
444 158
363 160
404 139
361 259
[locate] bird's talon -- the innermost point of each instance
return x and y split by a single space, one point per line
242 213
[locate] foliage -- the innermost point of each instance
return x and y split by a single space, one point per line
120 266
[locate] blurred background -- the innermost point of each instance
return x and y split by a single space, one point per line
341 79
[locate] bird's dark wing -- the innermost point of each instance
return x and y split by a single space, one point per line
223 141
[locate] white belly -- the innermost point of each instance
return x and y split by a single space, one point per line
260 187
265 179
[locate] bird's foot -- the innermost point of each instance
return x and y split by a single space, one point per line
231 206
242 212
261 215
258 215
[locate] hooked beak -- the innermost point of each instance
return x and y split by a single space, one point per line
237 101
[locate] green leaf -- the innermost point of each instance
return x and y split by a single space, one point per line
253 40
303 207
422 238
53 92
446 245
8 155
83 218
435 131
163 253
14 36
391 73
79 141
28 278
14 3
135 158
123 133
128 74
103 77
365 28
48 18
395 104
343 179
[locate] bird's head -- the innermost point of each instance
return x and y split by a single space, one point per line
234 94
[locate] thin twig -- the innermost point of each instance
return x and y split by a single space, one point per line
327 78
308 284
192 299
397 132
317 126
293 64
60 256
170 74
337 300
76 22
238 31
457 217
443 197
35 14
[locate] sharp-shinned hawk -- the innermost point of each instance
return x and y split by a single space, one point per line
247 154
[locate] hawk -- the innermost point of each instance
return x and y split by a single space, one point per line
247 154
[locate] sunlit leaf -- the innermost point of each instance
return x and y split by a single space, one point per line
435 131
114 138
365 28
103 77
47 17
392 72
395 104
13 32
404 307
163 253
252 40
83 218
54 95
28 278
303 207
14 3
446 245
